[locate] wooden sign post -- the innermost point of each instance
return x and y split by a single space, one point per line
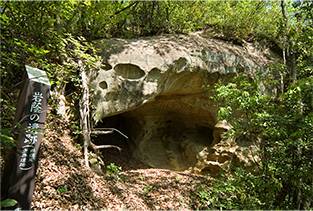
21 165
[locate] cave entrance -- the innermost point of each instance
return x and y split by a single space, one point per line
158 137
122 140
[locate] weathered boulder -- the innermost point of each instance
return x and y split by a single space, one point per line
224 154
160 87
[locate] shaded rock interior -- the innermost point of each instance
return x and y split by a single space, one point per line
164 133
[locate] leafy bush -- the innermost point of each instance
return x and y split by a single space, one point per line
284 127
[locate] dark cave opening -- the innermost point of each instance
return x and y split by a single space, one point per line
124 157
157 139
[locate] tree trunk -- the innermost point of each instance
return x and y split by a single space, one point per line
289 57
84 115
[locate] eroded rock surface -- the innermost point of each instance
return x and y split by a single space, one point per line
161 88
221 156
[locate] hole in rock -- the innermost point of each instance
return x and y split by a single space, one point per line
153 75
180 63
103 85
159 136
129 71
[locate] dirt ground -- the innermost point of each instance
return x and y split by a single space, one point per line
63 181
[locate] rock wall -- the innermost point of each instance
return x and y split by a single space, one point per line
161 87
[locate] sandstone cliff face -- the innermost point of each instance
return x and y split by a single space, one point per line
160 87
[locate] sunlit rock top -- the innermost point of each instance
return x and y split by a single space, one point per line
135 72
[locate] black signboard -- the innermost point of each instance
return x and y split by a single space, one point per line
20 167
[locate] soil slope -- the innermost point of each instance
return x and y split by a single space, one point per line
64 182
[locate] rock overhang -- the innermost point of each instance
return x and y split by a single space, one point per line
179 64
162 87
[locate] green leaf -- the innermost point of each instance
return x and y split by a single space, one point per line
62 189
8 203
6 138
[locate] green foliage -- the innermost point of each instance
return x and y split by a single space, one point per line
244 19
113 170
62 189
148 189
52 35
240 190
7 142
6 138
76 131
202 197
301 36
55 36
8 203
284 127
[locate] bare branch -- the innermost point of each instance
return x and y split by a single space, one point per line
125 8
